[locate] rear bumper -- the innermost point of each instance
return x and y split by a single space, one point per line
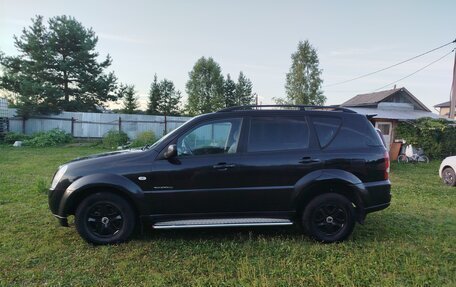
378 195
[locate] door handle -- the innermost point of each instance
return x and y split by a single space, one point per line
223 166
308 159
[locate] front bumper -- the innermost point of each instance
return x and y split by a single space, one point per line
63 221
54 197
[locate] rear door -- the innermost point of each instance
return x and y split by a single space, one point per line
277 153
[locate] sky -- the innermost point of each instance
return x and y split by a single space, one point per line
352 38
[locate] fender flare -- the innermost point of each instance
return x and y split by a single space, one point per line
121 184
303 188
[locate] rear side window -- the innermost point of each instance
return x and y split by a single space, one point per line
278 133
355 132
326 129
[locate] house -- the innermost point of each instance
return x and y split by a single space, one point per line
389 107
443 109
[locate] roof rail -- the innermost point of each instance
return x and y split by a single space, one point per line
291 107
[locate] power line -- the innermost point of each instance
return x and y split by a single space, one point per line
409 75
389 67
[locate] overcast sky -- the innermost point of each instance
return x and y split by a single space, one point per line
258 37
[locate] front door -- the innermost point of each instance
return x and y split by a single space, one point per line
386 130
203 177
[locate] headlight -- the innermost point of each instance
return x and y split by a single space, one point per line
58 176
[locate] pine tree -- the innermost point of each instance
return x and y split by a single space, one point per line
57 69
303 81
169 98
205 87
229 91
243 91
129 99
154 97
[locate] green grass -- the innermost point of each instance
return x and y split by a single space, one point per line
412 243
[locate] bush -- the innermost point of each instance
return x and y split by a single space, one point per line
113 139
50 138
11 137
436 137
143 139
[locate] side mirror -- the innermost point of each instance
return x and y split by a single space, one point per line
171 151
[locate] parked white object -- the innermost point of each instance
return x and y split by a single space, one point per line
17 144
409 151
447 171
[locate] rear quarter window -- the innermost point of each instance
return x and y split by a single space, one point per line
326 129
354 132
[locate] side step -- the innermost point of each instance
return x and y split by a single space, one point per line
221 222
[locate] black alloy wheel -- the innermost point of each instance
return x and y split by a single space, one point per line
105 218
329 218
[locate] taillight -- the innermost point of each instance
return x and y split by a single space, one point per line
387 165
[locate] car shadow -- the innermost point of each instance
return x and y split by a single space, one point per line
378 227
221 233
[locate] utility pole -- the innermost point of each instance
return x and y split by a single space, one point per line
453 88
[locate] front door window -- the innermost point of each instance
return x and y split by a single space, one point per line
216 137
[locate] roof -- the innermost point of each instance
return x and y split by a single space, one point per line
375 98
395 114
369 99
443 105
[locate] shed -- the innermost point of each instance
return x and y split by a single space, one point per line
389 107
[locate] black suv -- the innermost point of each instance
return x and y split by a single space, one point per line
321 168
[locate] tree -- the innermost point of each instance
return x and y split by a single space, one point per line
229 91
303 82
243 91
130 101
57 69
205 87
154 97
169 98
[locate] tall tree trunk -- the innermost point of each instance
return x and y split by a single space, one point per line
65 83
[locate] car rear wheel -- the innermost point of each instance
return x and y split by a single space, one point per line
449 176
329 218
105 218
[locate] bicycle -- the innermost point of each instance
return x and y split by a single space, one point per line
411 156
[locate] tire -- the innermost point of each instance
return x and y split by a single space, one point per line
105 218
329 218
402 159
449 176
423 159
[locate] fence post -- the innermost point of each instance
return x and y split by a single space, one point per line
166 125
120 124
72 126
23 125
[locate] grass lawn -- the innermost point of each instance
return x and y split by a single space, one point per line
411 243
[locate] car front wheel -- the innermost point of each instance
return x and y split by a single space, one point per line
449 176
329 218
104 218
